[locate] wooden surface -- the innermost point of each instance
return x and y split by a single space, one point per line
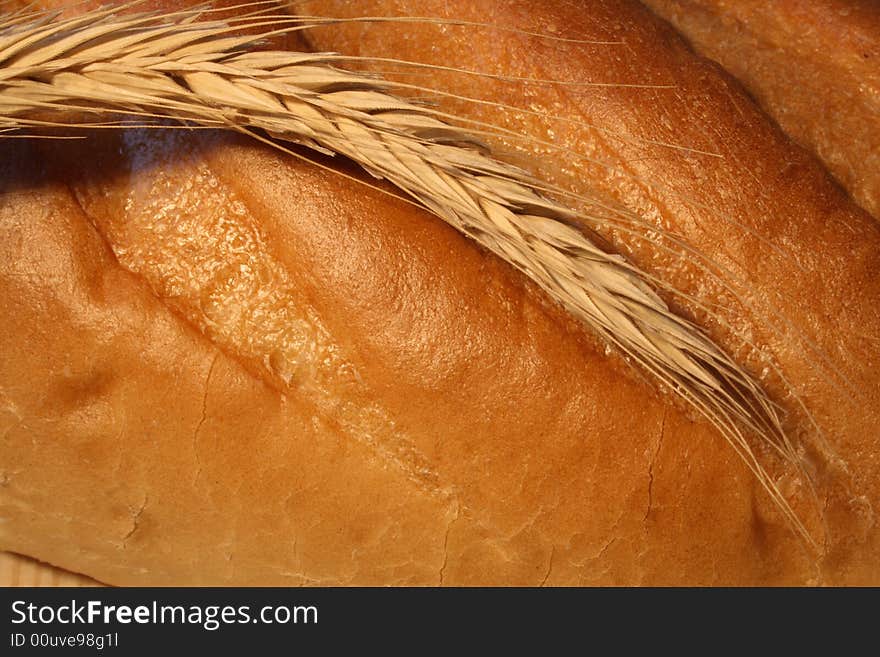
16 570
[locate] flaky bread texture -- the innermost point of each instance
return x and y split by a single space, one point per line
224 366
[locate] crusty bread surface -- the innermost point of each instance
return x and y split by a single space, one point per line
222 365
814 65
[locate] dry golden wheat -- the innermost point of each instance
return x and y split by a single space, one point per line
189 68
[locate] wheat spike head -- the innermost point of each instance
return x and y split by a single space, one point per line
188 67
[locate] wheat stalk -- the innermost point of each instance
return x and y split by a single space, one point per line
185 67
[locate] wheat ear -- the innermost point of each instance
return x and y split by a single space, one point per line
185 67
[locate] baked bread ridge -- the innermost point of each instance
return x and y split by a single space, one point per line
813 65
621 528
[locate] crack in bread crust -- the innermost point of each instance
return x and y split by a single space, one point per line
171 221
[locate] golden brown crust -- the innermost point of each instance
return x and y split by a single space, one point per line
183 483
419 414
211 477
814 65
138 453
762 210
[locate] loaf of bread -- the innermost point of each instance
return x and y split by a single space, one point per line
221 365
814 65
